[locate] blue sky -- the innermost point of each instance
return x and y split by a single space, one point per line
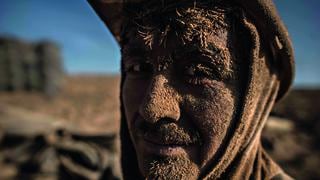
88 46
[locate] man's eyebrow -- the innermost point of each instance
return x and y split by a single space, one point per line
214 55
210 51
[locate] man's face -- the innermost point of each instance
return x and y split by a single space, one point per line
179 102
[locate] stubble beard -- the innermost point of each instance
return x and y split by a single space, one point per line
172 168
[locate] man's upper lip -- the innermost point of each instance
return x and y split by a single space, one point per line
161 143
165 134
165 143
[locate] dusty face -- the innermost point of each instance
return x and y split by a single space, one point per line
179 100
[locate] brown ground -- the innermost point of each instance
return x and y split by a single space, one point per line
92 102
295 144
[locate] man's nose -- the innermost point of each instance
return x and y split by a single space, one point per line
160 101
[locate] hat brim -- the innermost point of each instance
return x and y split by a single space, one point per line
111 13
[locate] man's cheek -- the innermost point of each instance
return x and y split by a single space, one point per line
129 103
212 113
133 95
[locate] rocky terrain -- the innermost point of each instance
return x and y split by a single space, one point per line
72 135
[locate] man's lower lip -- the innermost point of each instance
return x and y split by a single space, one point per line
163 150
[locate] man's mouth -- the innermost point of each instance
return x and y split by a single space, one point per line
165 149
168 139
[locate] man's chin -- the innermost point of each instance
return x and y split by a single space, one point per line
171 168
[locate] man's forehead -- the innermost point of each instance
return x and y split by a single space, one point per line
179 29
138 48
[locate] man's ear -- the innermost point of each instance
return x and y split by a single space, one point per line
111 13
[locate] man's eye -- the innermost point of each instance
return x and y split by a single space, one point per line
190 71
196 73
136 68
198 70
139 69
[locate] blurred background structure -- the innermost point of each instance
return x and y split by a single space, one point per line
30 66
59 106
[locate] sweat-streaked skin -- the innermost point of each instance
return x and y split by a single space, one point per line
177 104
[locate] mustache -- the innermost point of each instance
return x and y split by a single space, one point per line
168 133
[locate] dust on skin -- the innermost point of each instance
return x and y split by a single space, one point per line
193 27
167 168
180 90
